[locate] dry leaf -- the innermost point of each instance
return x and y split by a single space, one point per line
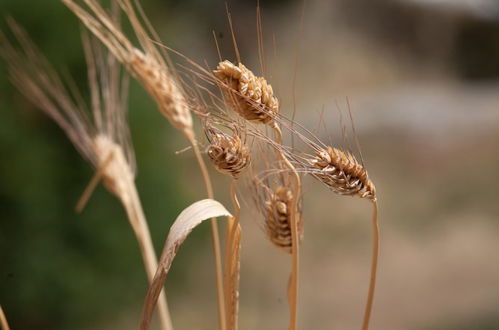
188 219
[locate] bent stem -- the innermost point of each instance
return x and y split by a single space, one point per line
295 257
141 229
374 267
214 234
231 261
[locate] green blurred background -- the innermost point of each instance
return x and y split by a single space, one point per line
422 80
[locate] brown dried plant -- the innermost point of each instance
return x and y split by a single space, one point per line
101 134
150 67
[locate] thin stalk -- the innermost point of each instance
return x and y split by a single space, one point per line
141 229
214 234
3 320
231 260
295 257
374 267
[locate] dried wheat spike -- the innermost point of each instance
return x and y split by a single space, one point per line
250 96
227 152
342 173
158 82
277 223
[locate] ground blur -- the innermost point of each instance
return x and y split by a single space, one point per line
421 78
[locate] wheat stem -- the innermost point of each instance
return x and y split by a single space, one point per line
231 260
374 266
3 320
139 224
215 236
295 257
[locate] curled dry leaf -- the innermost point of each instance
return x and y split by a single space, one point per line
188 219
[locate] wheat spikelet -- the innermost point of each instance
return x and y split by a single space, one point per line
250 96
342 173
228 153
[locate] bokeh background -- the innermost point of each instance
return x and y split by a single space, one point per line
421 76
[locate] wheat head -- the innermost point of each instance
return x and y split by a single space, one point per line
228 153
342 173
250 96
